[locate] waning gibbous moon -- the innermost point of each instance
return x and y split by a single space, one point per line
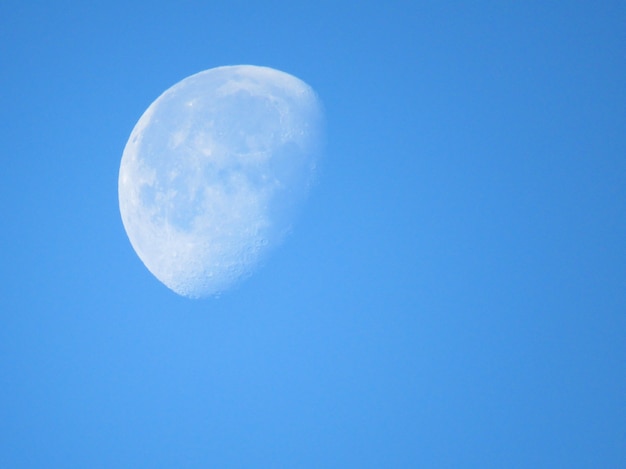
214 171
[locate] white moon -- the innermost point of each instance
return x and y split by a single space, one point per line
213 172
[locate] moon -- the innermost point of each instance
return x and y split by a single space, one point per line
214 172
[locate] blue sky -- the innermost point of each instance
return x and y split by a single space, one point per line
453 293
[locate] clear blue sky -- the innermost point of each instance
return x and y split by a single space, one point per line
453 294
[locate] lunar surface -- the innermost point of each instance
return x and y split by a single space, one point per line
214 172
